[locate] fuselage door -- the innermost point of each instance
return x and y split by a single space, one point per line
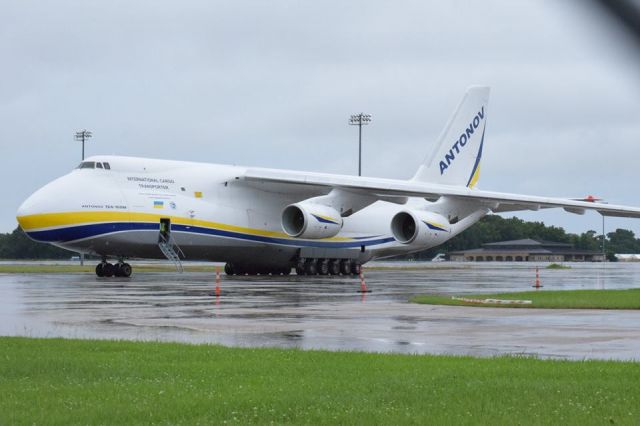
165 229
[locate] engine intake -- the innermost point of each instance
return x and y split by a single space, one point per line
420 228
310 220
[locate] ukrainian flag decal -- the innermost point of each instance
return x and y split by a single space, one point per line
158 204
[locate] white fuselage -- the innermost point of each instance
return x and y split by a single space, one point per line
213 215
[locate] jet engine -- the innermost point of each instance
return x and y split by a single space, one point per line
420 228
311 220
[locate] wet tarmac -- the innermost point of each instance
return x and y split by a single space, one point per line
328 312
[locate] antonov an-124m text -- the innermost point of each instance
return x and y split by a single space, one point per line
267 221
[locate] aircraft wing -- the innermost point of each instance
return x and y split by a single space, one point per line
386 189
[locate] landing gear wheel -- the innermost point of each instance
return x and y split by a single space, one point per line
356 268
310 267
100 270
123 270
323 267
334 267
108 270
300 267
229 269
345 267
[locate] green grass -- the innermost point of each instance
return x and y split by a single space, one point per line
55 381
557 266
59 269
563 299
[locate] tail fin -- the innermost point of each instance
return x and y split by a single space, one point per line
456 159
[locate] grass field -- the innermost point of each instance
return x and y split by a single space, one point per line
55 381
563 299
557 266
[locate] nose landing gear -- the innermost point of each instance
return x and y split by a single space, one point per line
120 269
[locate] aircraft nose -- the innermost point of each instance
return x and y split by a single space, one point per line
27 214
30 213
25 209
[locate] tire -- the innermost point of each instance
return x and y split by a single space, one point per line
124 270
108 269
345 267
334 267
116 270
323 267
100 270
229 269
356 268
311 267
300 269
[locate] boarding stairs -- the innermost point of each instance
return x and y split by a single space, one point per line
171 251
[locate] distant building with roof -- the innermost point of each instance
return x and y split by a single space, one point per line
526 250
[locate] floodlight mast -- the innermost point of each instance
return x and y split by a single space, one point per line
360 120
82 135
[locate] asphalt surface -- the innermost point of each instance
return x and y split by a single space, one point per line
328 312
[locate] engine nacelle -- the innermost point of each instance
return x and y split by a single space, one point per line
311 220
420 228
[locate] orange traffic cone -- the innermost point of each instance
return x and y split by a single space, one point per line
363 284
537 284
217 281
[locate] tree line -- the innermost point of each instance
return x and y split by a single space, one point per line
16 245
490 229
494 228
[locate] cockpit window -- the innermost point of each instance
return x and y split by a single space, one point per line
93 165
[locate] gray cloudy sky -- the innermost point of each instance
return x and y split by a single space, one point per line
272 84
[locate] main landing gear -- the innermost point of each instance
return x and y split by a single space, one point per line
303 267
120 269
327 267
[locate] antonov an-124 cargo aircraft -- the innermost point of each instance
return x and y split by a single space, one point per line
267 221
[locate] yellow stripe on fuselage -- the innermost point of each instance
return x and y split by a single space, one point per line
55 220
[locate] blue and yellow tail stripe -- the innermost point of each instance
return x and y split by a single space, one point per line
67 227
475 172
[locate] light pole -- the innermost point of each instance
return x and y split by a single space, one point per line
604 256
82 135
360 120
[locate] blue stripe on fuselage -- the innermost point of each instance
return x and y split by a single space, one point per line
73 233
